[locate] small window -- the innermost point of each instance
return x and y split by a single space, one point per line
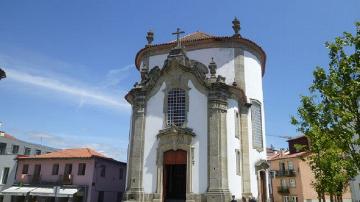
2 148
55 169
82 168
38 152
237 125
15 149
290 165
273 174
101 196
176 112
25 169
37 170
68 169
121 173
238 162
282 166
256 123
293 199
283 183
5 175
292 182
27 151
102 170
285 198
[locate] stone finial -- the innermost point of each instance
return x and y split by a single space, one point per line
150 37
236 27
212 67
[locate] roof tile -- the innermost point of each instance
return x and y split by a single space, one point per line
67 153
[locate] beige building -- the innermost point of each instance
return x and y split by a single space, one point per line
291 177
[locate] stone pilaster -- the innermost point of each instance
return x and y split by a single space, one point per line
218 188
135 190
246 186
239 68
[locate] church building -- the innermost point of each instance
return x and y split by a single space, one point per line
197 127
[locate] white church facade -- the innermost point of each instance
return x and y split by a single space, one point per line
197 127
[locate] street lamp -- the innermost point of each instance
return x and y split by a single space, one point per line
2 74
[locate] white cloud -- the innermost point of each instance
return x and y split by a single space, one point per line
115 76
82 94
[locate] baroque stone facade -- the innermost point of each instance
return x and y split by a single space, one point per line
196 126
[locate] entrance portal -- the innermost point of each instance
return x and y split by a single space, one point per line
175 175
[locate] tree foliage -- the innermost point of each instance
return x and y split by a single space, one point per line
330 118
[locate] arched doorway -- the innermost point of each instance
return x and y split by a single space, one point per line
174 181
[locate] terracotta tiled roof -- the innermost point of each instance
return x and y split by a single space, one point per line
67 153
286 155
5 135
194 36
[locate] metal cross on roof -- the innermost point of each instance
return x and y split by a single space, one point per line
178 32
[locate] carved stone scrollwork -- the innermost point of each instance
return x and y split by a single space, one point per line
174 138
261 165
138 102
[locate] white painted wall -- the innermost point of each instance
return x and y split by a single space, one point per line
153 123
235 185
254 90
223 57
157 60
197 120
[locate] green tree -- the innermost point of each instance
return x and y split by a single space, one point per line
329 117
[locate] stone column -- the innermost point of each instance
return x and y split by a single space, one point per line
246 186
135 189
218 188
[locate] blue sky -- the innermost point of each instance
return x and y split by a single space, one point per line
70 63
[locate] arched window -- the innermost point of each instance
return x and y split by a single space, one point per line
256 123
176 112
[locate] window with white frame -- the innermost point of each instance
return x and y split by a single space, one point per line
292 182
285 198
293 199
256 123
176 107
290 165
283 183
237 124
5 175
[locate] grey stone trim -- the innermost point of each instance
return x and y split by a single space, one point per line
239 68
257 147
135 190
245 157
174 138
218 188
176 80
262 164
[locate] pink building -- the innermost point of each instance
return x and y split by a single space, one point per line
79 175
292 177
